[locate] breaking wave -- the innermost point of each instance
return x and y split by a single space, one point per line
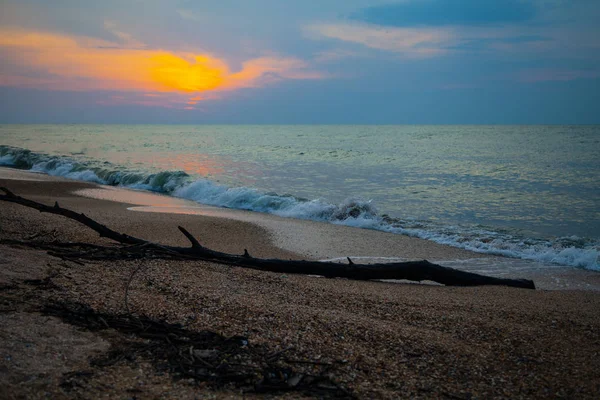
98 172
570 251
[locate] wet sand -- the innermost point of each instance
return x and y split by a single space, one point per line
391 340
324 241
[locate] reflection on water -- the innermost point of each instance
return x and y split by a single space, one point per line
192 164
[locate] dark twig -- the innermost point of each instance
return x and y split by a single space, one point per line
129 284
276 354
180 352
191 238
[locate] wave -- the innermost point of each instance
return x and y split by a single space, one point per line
98 172
570 251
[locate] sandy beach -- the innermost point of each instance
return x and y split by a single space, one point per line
370 339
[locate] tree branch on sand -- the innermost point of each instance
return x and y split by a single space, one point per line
132 247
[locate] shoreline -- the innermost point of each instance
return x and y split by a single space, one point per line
500 238
313 239
297 238
378 339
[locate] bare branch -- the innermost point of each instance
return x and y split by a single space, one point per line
409 270
190 237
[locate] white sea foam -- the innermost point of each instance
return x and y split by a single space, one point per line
363 214
7 160
570 251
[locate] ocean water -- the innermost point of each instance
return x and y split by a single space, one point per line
529 192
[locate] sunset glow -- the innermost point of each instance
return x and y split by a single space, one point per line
175 73
82 63
291 62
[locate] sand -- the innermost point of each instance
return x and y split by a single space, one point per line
383 340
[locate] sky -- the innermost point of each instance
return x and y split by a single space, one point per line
300 62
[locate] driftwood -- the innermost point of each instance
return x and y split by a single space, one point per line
136 247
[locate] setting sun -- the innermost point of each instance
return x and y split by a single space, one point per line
175 73
81 63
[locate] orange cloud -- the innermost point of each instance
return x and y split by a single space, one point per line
81 63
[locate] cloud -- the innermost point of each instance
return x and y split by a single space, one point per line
555 75
194 100
411 42
546 30
62 62
426 42
190 15
447 12
127 39
162 100
480 40
264 70
335 55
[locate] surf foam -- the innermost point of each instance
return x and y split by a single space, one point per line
571 251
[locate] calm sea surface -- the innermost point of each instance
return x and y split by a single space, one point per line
522 191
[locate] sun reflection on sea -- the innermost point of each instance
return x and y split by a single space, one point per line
191 164
198 166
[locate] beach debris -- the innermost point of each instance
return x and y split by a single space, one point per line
205 354
136 248
202 356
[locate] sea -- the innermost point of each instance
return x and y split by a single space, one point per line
525 192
